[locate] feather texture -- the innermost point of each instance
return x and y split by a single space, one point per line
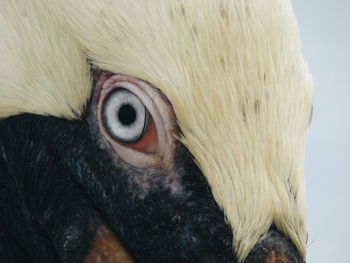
233 71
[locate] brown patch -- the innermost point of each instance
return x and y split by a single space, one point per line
183 11
107 249
223 63
195 30
257 106
223 12
277 257
244 115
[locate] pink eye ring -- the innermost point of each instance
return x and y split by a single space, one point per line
136 120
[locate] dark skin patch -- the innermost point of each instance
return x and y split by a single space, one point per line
275 248
56 184
44 212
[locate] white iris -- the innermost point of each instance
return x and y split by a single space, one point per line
125 116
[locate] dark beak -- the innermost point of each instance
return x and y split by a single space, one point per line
275 248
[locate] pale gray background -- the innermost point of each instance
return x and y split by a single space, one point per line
325 34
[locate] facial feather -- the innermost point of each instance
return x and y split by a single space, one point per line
233 71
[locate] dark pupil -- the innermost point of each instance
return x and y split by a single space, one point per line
127 114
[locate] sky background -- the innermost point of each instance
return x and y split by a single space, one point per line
325 34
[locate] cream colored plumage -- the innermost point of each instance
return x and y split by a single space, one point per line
233 71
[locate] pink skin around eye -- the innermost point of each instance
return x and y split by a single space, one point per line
149 141
157 146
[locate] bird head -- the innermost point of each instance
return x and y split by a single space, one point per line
162 131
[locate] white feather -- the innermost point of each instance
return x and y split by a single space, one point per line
233 71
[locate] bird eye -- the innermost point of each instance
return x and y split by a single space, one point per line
135 119
125 117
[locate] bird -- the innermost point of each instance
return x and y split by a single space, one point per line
152 131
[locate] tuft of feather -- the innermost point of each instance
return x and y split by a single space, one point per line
43 69
233 71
